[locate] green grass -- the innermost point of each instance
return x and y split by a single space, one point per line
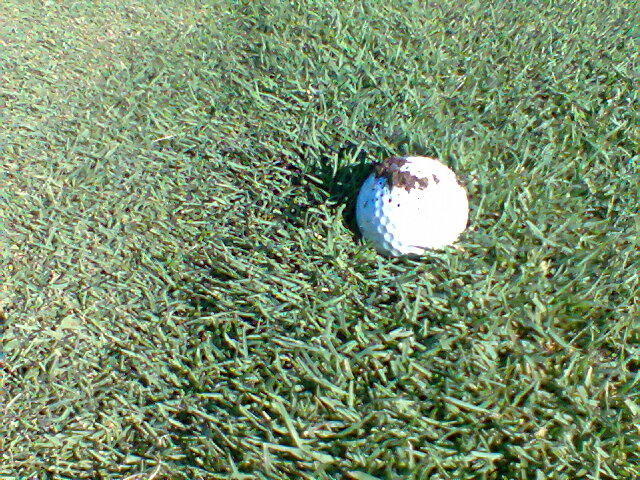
183 294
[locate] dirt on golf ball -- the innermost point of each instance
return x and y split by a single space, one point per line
409 205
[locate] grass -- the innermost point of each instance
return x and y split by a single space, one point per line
183 294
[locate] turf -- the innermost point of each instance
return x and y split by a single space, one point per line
183 294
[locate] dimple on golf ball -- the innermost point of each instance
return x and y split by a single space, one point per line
409 205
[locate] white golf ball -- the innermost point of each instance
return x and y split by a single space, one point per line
411 204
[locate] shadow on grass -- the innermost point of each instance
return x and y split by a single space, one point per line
340 174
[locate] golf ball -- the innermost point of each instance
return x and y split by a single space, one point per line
408 205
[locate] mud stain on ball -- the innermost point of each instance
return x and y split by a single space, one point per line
391 170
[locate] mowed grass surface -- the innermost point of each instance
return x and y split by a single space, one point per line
184 296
